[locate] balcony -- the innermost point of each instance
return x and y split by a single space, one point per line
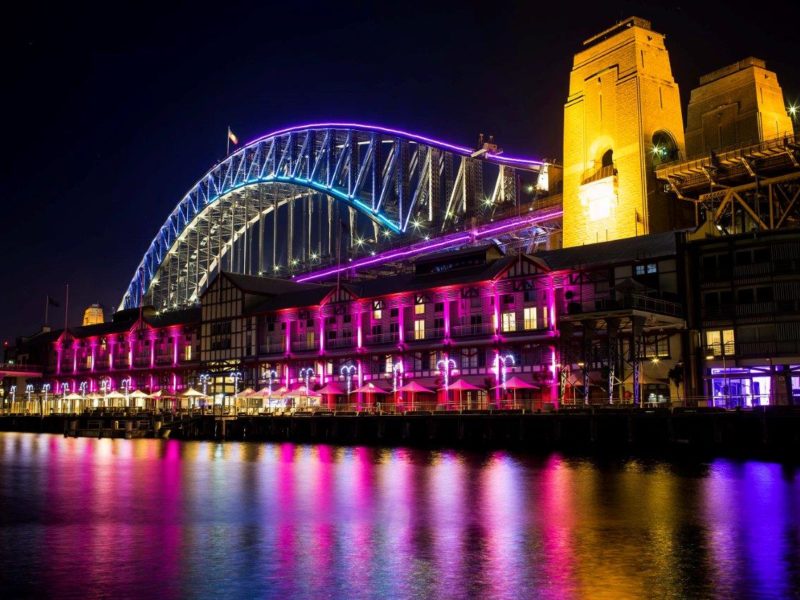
304 345
378 339
431 335
601 173
272 346
342 342
627 302
476 330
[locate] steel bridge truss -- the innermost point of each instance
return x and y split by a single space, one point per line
751 188
309 196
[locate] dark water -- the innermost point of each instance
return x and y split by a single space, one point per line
113 518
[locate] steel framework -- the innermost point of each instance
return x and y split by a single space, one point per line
747 188
297 199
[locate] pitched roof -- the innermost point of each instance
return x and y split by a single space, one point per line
268 286
630 249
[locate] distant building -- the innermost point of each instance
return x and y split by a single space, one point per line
93 315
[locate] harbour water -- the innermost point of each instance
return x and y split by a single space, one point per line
121 518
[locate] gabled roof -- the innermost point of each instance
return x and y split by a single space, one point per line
297 299
267 286
632 249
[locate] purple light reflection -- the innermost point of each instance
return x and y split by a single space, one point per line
184 519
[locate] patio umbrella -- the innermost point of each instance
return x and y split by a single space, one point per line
462 386
413 388
192 393
330 389
517 383
370 388
139 394
115 395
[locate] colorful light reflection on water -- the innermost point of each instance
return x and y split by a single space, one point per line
103 518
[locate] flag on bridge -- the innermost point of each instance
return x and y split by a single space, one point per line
52 302
232 136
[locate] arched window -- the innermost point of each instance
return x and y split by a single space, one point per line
664 148
608 158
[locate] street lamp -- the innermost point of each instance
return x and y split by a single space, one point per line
126 385
272 375
306 374
13 391
28 392
105 383
204 379
347 372
501 363
64 394
236 376
397 377
84 385
45 390
445 366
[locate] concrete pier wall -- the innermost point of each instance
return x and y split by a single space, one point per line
770 431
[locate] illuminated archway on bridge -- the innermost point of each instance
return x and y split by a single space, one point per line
291 200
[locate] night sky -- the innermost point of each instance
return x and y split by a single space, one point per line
112 113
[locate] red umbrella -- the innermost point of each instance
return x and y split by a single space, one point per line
414 388
370 388
517 383
461 385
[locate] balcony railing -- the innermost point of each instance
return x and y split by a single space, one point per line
342 342
376 339
304 345
429 335
272 346
627 301
472 330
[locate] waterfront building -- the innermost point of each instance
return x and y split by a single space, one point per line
676 282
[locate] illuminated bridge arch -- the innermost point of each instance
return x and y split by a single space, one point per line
306 196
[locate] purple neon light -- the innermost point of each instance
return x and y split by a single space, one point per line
407 134
416 249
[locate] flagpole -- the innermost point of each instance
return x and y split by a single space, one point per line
66 309
46 307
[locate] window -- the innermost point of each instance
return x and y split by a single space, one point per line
509 321
438 307
720 343
89 361
377 330
309 339
648 269
389 363
377 314
529 317
419 329
394 327
508 298
187 352
438 325
393 312
347 318
419 309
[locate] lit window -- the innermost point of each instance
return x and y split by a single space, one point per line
509 321
377 314
309 339
89 361
720 343
419 309
530 317
187 353
419 329
728 342
544 316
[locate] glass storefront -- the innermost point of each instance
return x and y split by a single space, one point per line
748 387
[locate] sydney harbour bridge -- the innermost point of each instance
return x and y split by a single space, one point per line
313 201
